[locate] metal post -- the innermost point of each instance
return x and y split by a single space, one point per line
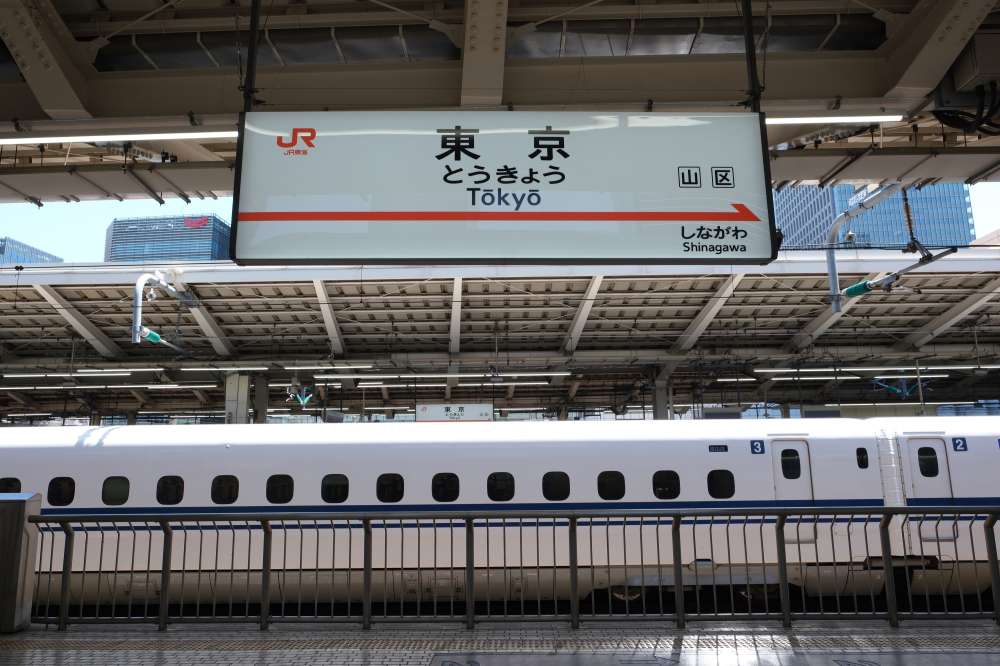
920 387
67 571
470 576
991 553
265 576
779 542
168 546
890 583
750 45
249 84
366 594
675 537
574 597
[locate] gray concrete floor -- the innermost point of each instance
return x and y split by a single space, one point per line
956 643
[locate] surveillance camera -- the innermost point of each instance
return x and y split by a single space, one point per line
850 237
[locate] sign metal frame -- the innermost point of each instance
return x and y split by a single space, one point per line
774 235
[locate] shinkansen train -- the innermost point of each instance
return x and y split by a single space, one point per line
504 470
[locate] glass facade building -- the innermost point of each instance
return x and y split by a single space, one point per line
942 216
14 252
175 238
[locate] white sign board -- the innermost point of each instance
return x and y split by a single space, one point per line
463 412
502 187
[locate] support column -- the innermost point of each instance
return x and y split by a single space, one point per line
18 545
261 397
786 410
95 419
237 398
131 418
663 400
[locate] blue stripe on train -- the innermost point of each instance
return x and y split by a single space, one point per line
450 508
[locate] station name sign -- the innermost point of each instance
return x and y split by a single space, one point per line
502 187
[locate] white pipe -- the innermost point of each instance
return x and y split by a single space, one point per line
831 238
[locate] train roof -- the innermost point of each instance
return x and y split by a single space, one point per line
482 433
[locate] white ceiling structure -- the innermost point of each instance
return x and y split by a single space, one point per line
586 336
85 67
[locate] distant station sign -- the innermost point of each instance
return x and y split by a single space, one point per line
502 187
463 412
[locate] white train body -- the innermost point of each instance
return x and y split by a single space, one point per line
773 464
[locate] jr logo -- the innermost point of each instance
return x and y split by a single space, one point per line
306 134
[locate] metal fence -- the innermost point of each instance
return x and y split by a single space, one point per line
889 564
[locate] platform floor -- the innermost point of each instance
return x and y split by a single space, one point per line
958 643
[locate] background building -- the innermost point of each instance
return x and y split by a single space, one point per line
942 216
174 238
14 252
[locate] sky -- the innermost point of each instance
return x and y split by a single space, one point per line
75 231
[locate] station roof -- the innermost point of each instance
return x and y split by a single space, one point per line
577 336
99 67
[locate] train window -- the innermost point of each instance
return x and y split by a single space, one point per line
611 485
555 486
225 489
666 484
9 484
389 488
927 460
500 486
280 489
61 491
170 490
791 465
721 484
444 487
335 488
115 491
862 454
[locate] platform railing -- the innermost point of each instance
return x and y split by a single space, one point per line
775 564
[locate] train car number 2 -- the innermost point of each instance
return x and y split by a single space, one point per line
959 444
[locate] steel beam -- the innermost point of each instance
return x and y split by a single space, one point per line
689 338
104 345
951 316
329 318
825 320
927 43
206 322
34 33
455 326
484 53
582 314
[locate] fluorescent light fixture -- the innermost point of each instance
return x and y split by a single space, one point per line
835 120
90 371
520 409
326 366
389 408
32 414
31 375
114 138
921 376
443 375
736 379
241 368
814 378
99 375
505 384
18 388
890 404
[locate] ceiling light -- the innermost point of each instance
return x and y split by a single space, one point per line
882 404
98 375
931 376
834 120
505 384
34 140
27 375
389 408
32 414
326 366
736 379
246 368
814 378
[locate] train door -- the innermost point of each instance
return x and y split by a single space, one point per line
793 485
930 484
